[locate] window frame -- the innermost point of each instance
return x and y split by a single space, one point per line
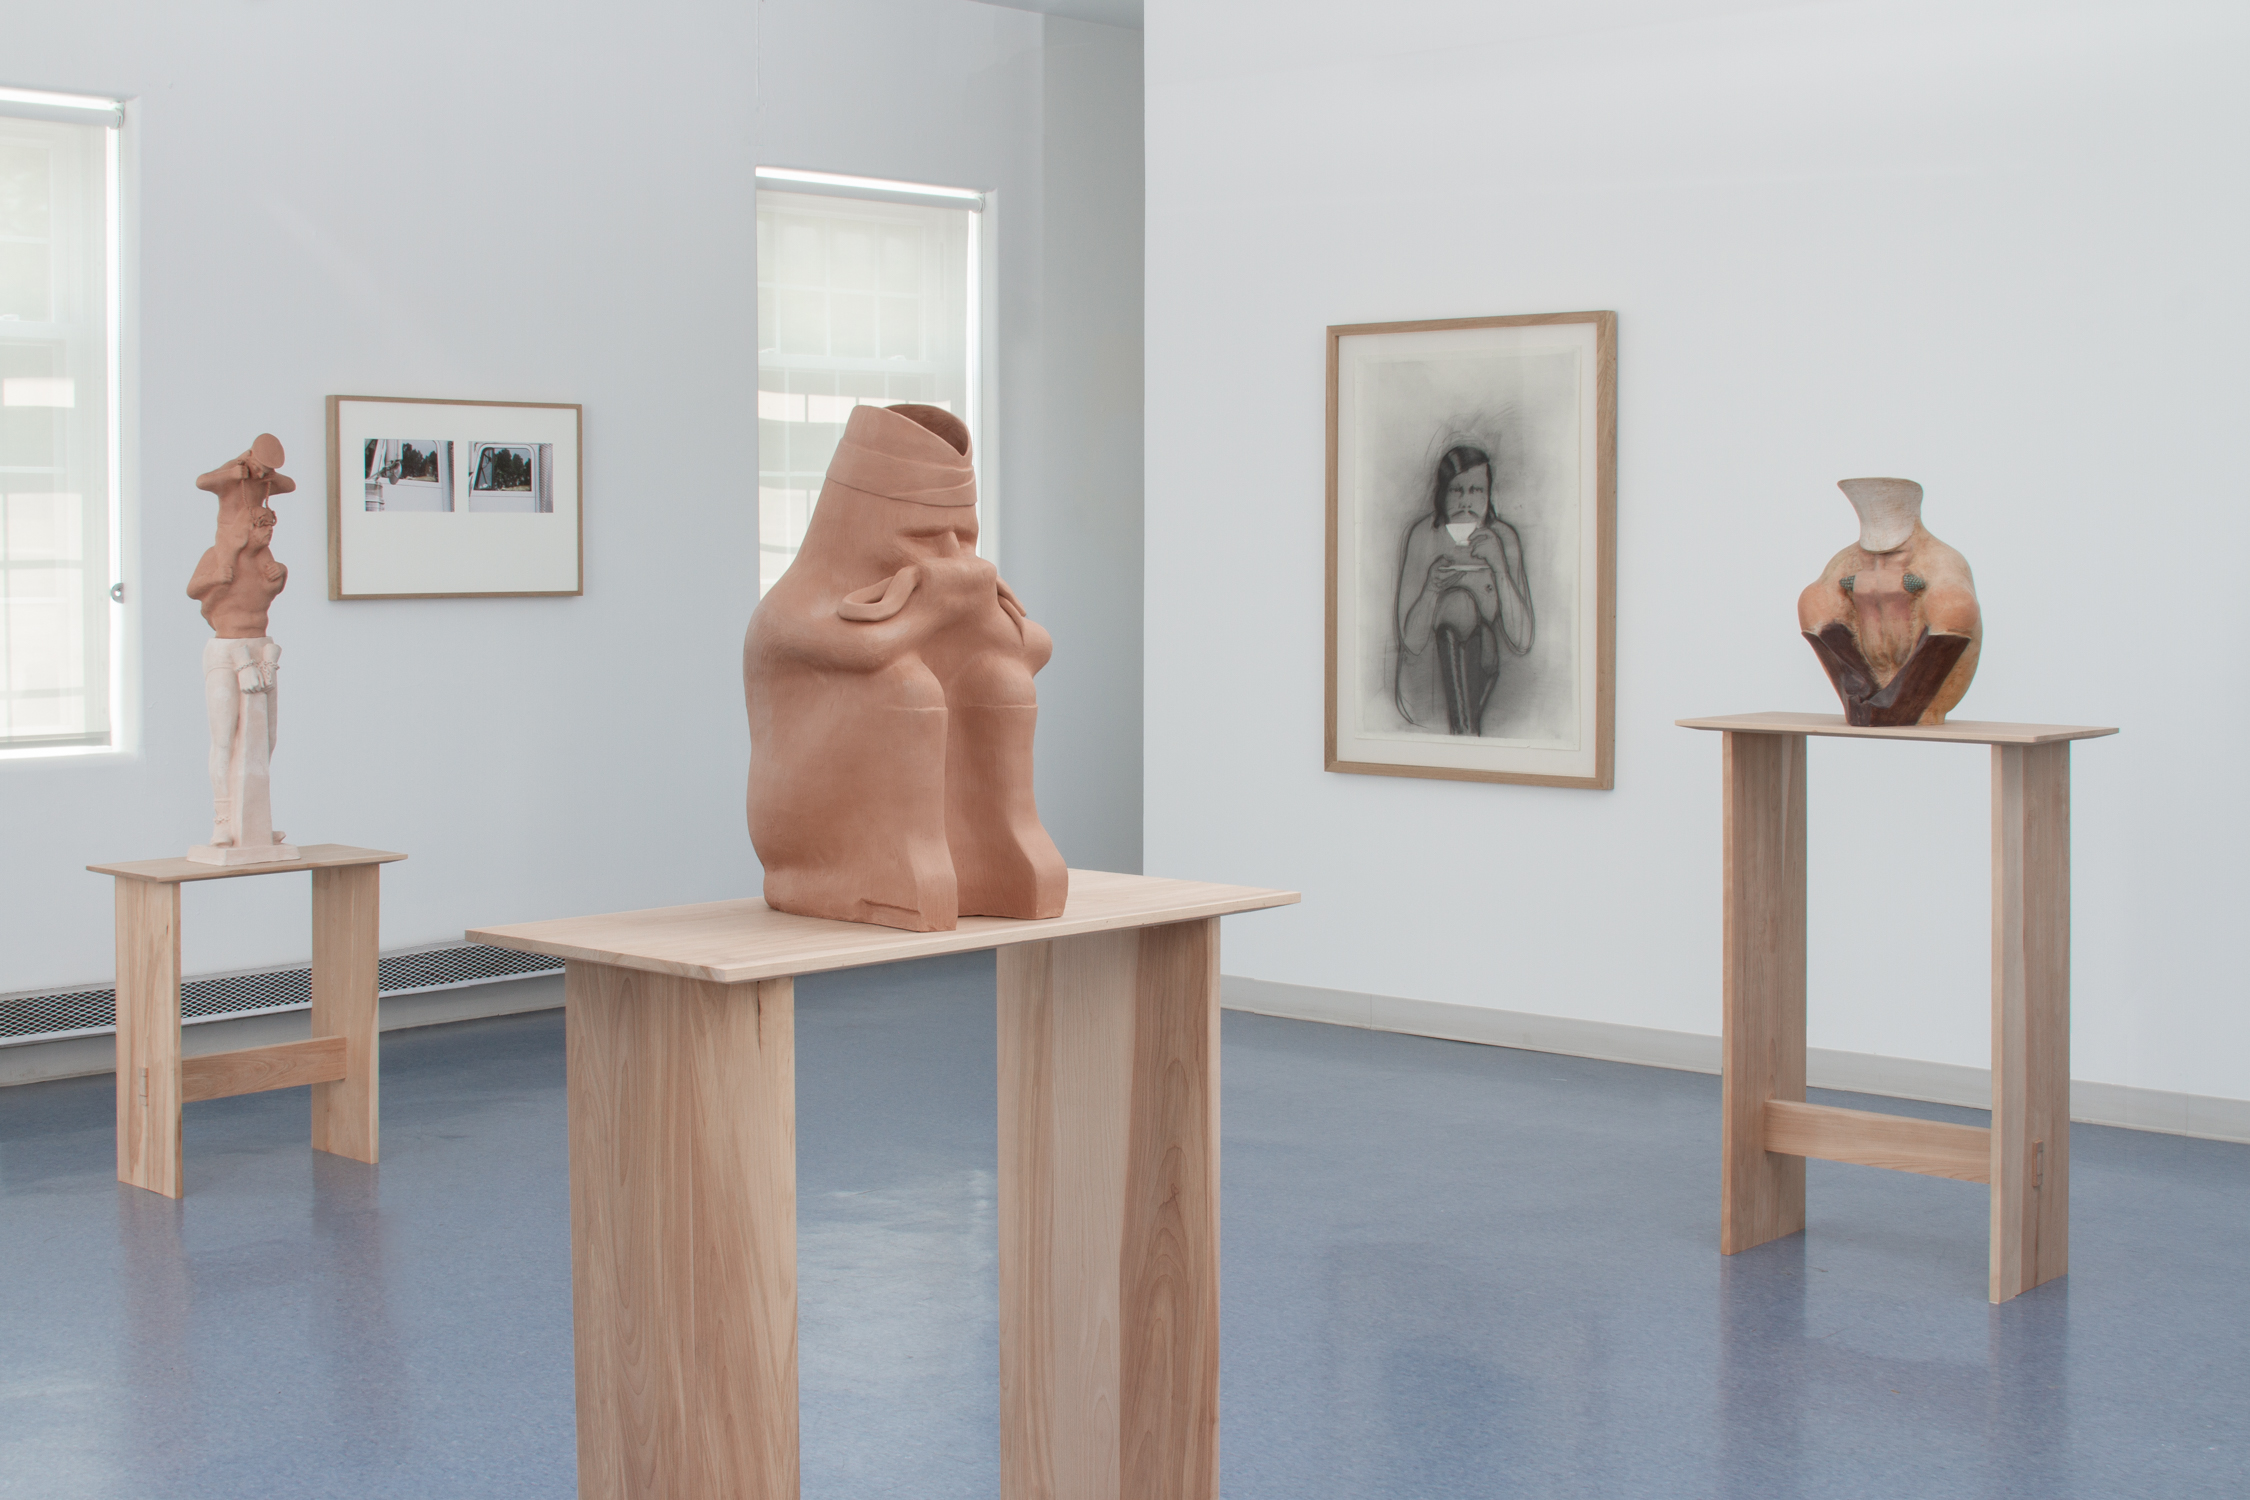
982 330
111 116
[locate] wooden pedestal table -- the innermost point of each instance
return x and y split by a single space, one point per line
1768 1128
338 1060
683 1187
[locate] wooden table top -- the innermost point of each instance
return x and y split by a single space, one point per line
309 857
734 941
1954 731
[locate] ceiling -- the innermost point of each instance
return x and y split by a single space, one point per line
1126 13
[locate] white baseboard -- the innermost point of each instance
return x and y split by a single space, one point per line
1693 1052
80 1056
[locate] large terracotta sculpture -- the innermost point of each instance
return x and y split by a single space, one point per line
236 583
1894 617
888 678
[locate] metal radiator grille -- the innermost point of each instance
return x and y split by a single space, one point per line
84 1012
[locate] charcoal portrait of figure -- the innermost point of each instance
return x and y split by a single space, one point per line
1469 560
1464 599
1466 617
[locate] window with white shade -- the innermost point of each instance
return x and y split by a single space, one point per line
868 299
58 421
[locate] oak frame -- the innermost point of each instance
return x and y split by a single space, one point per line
336 498
1605 559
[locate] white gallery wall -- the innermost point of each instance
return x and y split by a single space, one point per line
496 200
1992 247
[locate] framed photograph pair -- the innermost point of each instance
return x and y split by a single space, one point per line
453 499
1472 549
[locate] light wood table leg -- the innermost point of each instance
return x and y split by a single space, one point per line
1109 1215
346 1114
1762 1194
2030 1016
683 1234
148 1036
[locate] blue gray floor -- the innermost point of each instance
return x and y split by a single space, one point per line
1450 1271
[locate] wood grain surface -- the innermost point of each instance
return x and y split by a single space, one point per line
251 1070
1109 1215
732 942
148 1036
2030 1163
1066 1023
346 927
1168 1317
1761 1193
310 857
683 1201
1956 731
1934 1148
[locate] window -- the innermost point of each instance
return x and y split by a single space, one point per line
869 298
59 429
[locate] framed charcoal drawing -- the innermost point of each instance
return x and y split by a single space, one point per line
453 499
1472 549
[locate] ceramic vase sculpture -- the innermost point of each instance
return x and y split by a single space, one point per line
236 583
888 679
1893 617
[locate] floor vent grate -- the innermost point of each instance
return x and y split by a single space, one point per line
51 1016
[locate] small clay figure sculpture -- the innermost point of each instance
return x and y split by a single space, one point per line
888 679
236 583
1894 617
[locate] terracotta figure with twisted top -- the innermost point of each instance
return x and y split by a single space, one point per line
888 679
236 582
1893 617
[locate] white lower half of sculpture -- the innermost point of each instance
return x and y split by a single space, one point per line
241 690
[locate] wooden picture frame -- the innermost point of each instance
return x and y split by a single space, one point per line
455 499
1472 622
